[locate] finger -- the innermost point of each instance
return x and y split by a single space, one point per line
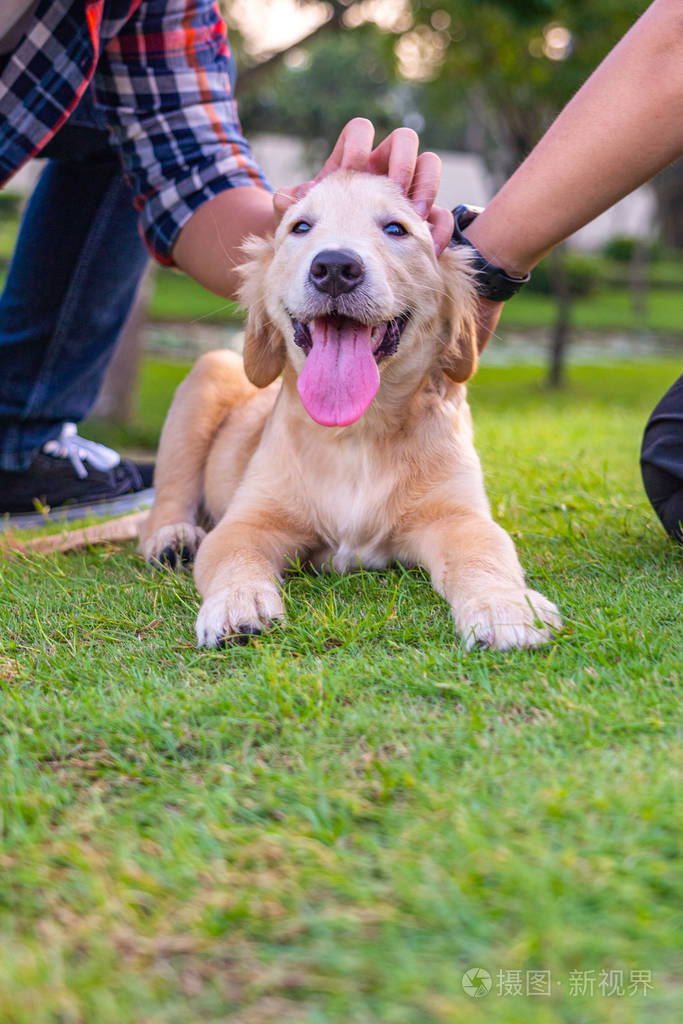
396 157
441 226
282 200
286 197
352 149
425 183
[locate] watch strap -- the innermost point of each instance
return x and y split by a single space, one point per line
491 282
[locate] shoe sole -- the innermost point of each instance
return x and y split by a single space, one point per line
72 513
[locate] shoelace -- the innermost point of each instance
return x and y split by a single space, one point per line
79 451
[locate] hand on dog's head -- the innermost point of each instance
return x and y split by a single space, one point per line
349 290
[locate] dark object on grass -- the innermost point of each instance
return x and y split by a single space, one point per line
661 460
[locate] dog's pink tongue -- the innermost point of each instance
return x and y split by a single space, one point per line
340 376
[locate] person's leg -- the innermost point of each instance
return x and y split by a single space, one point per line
71 283
661 460
73 277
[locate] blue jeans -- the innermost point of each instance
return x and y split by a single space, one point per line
71 283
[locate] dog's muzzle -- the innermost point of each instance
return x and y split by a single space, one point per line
340 376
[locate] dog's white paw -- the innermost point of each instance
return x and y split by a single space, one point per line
508 618
173 545
239 612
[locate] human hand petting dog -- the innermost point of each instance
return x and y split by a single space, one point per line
398 158
209 247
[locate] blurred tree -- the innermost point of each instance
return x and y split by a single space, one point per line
254 68
514 64
669 191
324 82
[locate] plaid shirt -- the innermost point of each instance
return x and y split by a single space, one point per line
160 73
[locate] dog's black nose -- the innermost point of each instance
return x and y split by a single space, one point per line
336 271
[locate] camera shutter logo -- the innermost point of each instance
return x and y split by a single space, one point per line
476 982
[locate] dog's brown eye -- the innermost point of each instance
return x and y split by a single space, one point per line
301 227
395 229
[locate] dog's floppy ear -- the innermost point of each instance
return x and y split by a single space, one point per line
460 353
264 346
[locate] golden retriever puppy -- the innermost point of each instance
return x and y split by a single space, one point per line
362 453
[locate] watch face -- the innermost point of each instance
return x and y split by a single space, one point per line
463 217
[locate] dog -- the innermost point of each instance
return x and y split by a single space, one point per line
344 437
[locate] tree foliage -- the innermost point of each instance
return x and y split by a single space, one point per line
499 59
326 83
489 64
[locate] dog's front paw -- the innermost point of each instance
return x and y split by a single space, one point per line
507 618
238 612
172 546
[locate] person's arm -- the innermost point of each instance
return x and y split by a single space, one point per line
163 85
623 126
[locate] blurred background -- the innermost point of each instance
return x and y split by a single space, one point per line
480 82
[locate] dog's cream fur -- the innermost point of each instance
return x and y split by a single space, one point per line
402 483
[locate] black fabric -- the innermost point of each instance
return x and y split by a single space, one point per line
661 460
54 482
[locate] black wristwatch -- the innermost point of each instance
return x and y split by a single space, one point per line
491 282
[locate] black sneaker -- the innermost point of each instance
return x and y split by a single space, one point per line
71 471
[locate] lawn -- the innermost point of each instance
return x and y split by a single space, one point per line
610 309
176 297
333 823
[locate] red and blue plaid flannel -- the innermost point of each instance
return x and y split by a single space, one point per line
160 72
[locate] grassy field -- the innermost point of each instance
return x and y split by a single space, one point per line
332 824
610 309
176 297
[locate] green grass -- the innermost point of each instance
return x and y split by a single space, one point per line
330 825
7 239
667 271
177 297
608 309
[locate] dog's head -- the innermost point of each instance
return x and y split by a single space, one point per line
350 291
